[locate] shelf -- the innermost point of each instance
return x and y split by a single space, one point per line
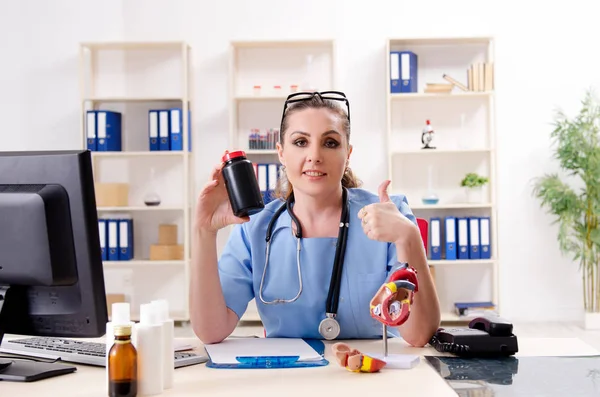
426 152
139 208
282 43
135 45
134 99
142 263
414 41
454 318
422 95
262 151
241 98
166 153
449 206
444 262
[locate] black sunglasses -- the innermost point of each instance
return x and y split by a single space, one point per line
306 96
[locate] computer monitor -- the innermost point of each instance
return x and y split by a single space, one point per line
51 276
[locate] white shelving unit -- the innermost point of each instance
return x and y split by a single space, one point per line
307 64
464 137
132 78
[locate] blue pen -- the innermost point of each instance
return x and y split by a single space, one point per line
268 361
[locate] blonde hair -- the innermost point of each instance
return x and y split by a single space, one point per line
284 188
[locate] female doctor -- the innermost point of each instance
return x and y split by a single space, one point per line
331 244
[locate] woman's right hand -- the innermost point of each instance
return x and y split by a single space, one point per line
213 209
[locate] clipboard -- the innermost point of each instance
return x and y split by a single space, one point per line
266 362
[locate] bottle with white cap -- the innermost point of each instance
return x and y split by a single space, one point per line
149 345
168 335
120 315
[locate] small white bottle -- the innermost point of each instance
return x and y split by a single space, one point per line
120 315
149 344
168 334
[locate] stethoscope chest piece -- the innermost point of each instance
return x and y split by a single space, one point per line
329 328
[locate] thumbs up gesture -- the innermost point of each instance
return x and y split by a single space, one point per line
383 221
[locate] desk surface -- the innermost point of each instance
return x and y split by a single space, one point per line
331 380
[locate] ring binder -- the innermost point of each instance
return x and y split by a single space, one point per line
266 362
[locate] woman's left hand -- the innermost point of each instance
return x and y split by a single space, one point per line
383 221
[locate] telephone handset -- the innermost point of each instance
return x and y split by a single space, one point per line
485 337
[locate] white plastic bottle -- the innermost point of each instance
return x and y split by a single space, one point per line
149 344
121 315
168 334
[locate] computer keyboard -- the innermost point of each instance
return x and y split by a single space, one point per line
75 351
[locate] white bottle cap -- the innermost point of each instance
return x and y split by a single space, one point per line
148 314
162 309
121 313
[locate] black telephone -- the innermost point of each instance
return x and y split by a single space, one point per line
485 337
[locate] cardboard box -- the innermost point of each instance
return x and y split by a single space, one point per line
164 252
112 194
167 234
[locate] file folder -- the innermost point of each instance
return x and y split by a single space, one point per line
153 130
462 238
90 126
113 240
450 238
436 244
164 142
102 234
272 360
125 239
271 181
474 248
108 129
403 71
263 180
484 241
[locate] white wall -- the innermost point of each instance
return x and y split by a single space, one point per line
541 62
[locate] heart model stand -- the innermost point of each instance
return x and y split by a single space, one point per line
391 306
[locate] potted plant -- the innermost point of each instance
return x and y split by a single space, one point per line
577 210
473 184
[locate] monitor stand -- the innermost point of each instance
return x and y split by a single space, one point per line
25 370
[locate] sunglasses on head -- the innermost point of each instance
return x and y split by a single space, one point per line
306 96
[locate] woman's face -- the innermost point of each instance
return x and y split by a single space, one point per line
315 151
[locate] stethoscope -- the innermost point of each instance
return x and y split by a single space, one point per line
329 327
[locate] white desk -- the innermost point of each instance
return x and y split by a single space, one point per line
331 381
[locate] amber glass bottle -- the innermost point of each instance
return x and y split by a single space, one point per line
122 364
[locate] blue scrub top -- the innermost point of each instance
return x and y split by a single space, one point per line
366 267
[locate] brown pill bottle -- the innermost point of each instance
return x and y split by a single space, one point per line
122 364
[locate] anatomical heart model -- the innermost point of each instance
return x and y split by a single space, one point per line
355 361
391 304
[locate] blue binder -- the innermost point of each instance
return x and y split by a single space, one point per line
485 238
450 238
113 240
176 129
102 228
435 238
265 362
164 143
403 71
125 239
90 129
153 130
474 244
462 237
108 129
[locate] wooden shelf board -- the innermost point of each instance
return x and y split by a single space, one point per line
262 151
427 152
134 99
450 206
444 262
139 208
142 263
158 153
280 43
134 45
415 41
423 95
260 97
